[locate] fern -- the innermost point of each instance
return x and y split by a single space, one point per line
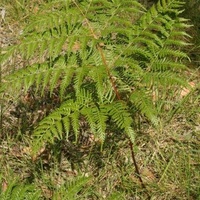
70 190
20 191
105 57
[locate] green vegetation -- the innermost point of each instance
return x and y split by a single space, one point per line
97 101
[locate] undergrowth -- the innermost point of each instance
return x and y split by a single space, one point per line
103 71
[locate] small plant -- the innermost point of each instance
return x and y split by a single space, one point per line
111 61
70 190
14 190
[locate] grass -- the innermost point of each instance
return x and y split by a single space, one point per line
168 158
168 162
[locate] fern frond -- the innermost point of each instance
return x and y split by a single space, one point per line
81 74
90 118
6 54
75 124
38 74
47 21
142 102
164 52
99 76
101 119
17 190
71 189
118 111
54 79
66 125
164 64
53 126
130 133
25 78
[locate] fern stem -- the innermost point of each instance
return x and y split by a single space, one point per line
100 51
108 72
1 107
1 121
137 169
131 144
115 90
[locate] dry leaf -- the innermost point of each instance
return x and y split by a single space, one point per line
4 186
186 91
34 157
76 46
148 175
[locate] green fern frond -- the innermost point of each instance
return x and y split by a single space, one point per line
75 124
99 76
20 191
38 74
89 115
81 74
71 189
47 21
130 133
66 126
53 126
163 78
25 77
143 102
118 111
176 42
55 79
100 119
138 52
164 52
164 64
5 55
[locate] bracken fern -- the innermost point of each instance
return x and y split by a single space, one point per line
107 57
